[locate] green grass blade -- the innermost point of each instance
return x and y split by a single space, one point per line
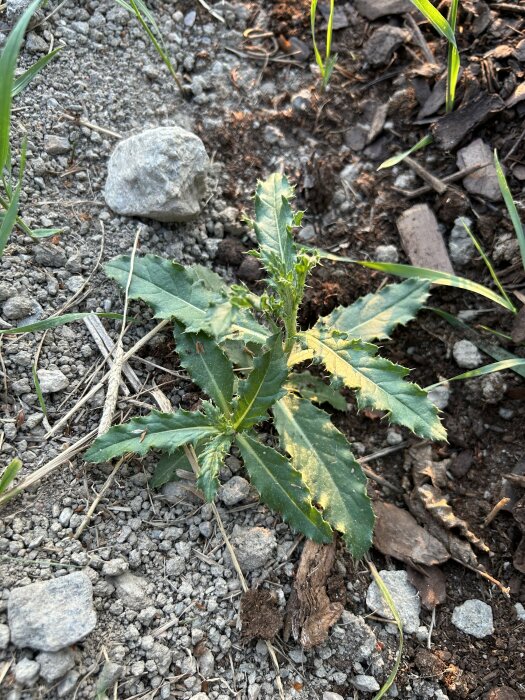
390 162
9 474
23 81
511 207
392 606
330 30
317 53
424 273
54 322
436 19
487 262
481 371
453 62
8 61
38 390
11 214
45 232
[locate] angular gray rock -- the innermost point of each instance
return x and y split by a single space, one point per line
51 615
17 307
360 640
460 245
4 636
114 567
366 684
26 672
55 664
474 617
52 380
466 354
404 595
383 42
373 9
110 673
234 491
386 253
65 687
483 181
328 695
159 174
131 590
253 546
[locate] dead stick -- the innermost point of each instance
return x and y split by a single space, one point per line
434 182
98 498
499 505
410 194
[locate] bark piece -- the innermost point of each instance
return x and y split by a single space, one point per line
483 181
430 581
260 615
398 535
310 613
422 240
451 129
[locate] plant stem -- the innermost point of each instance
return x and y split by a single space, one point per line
19 221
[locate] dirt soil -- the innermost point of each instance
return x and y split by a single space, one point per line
255 102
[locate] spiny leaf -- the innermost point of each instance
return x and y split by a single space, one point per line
167 287
207 365
167 466
161 431
376 315
263 386
282 489
210 461
315 389
54 322
379 383
323 456
274 219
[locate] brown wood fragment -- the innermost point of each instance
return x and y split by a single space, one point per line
398 535
422 241
310 613
451 129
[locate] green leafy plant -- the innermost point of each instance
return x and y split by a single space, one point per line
241 348
9 88
327 64
9 474
447 28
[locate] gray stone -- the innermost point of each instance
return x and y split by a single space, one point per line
383 42
36 44
493 387
404 595
460 246
520 612
26 672
162 655
159 174
360 640
14 8
373 9
206 664
483 181
328 695
175 566
66 686
440 395
49 256
4 636
306 234
175 492
234 491
366 684
51 615
253 546
386 253
52 380
199 696
466 354
55 664
17 307
114 567
56 145
474 617
110 673
131 590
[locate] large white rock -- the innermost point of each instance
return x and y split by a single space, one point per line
51 615
158 174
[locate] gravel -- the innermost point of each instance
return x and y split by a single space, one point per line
55 664
384 41
386 253
26 672
366 684
466 354
51 615
254 546
52 380
474 617
131 590
4 636
159 174
17 307
234 491
404 595
460 246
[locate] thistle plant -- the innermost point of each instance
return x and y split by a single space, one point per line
242 350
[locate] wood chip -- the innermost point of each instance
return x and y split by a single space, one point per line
310 613
397 534
450 130
422 241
